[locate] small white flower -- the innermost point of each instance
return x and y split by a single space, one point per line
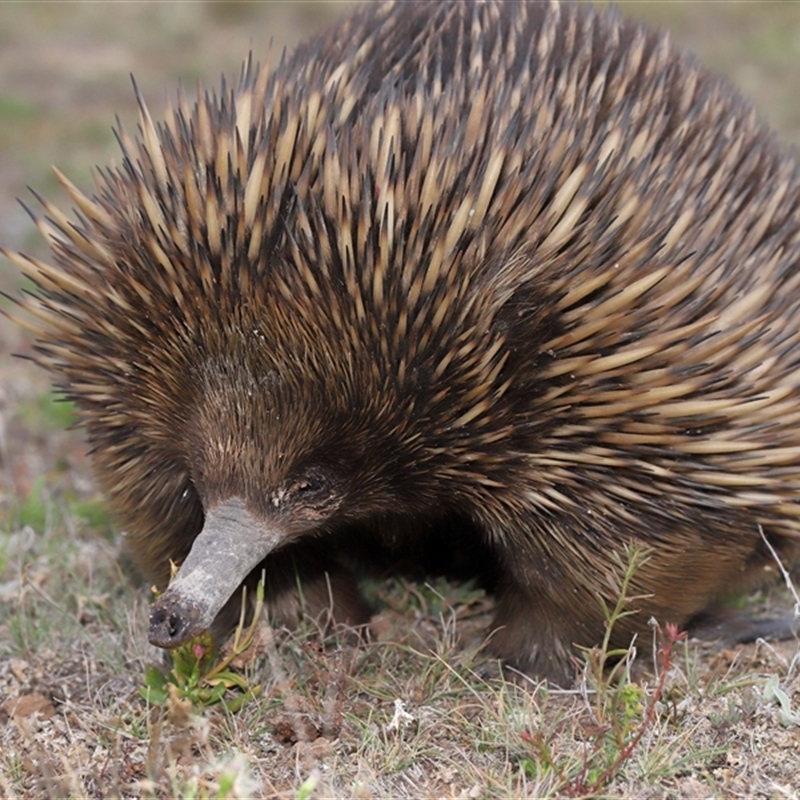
401 718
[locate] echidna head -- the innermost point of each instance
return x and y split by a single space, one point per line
285 434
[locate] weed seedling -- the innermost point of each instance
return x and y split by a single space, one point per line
621 711
199 675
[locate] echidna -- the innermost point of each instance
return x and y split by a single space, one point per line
516 271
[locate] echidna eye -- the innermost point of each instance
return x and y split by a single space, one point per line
309 485
189 494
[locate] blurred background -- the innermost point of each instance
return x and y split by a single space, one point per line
64 75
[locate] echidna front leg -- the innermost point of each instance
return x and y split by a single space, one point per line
531 634
306 580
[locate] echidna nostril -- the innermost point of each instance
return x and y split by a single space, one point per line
168 626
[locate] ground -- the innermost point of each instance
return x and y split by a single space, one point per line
418 712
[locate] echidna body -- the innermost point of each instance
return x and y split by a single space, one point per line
520 271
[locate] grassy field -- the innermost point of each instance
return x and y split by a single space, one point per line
419 712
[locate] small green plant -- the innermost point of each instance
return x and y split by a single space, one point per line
621 713
774 693
199 675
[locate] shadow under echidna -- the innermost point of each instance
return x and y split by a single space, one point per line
517 280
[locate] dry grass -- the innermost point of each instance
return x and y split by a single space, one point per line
718 722
77 726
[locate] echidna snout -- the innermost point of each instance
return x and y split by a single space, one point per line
231 545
